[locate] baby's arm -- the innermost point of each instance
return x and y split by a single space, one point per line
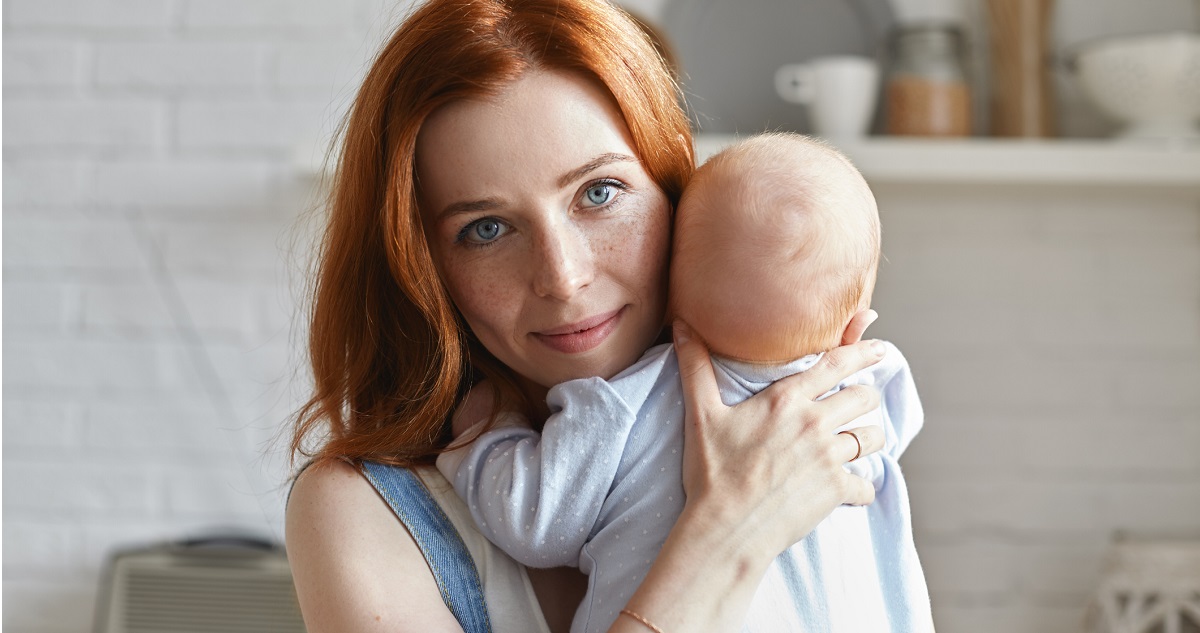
535 496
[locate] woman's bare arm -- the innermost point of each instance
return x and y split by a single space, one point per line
356 568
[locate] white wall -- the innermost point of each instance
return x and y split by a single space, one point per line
150 211
151 203
1054 334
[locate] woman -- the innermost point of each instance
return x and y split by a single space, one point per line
502 210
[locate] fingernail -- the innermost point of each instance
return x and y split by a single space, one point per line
680 329
878 348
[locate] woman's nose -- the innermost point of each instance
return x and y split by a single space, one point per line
566 264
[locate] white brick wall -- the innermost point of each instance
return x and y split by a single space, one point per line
51 124
258 16
1055 337
73 16
43 64
150 211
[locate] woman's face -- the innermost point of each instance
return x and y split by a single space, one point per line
550 236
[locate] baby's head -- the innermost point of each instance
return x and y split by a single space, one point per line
776 246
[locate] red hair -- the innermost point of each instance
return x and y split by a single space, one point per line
390 354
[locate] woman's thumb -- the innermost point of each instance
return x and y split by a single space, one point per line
695 367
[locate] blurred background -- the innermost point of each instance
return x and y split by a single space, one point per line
161 158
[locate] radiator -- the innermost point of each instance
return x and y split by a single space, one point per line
208 586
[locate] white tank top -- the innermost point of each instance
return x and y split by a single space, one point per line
512 605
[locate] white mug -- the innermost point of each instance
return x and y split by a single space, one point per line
840 92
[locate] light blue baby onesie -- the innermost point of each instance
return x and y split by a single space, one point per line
600 488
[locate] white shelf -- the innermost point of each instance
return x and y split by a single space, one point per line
1004 161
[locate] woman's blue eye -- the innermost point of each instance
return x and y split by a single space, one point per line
482 231
487 230
599 194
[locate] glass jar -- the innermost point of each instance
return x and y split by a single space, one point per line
926 91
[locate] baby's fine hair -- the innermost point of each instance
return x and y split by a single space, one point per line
822 232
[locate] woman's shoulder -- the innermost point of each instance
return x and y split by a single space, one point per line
325 481
350 557
335 495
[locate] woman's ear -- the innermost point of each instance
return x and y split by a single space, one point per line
857 325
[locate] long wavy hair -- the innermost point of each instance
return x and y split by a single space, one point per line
390 354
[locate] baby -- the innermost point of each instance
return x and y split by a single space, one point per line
776 248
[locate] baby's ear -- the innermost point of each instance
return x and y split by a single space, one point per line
857 325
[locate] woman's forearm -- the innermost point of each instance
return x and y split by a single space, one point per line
703 579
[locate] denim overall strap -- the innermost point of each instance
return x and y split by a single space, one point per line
440 543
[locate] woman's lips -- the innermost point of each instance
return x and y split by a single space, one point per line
581 336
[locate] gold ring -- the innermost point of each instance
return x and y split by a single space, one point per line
858 442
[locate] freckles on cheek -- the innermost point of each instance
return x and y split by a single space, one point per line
645 244
481 297
636 254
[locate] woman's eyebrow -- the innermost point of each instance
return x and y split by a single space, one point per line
592 165
468 206
488 204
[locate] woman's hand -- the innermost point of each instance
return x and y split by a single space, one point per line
759 476
771 468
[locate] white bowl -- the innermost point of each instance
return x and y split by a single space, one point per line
1149 82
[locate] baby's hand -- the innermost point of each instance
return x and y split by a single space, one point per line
474 409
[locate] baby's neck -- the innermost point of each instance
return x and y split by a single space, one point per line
764 363
762 372
785 357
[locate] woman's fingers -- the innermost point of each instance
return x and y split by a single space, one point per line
846 405
856 490
858 325
857 444
695 369
860 442
835 366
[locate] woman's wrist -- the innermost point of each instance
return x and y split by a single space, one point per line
705 575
